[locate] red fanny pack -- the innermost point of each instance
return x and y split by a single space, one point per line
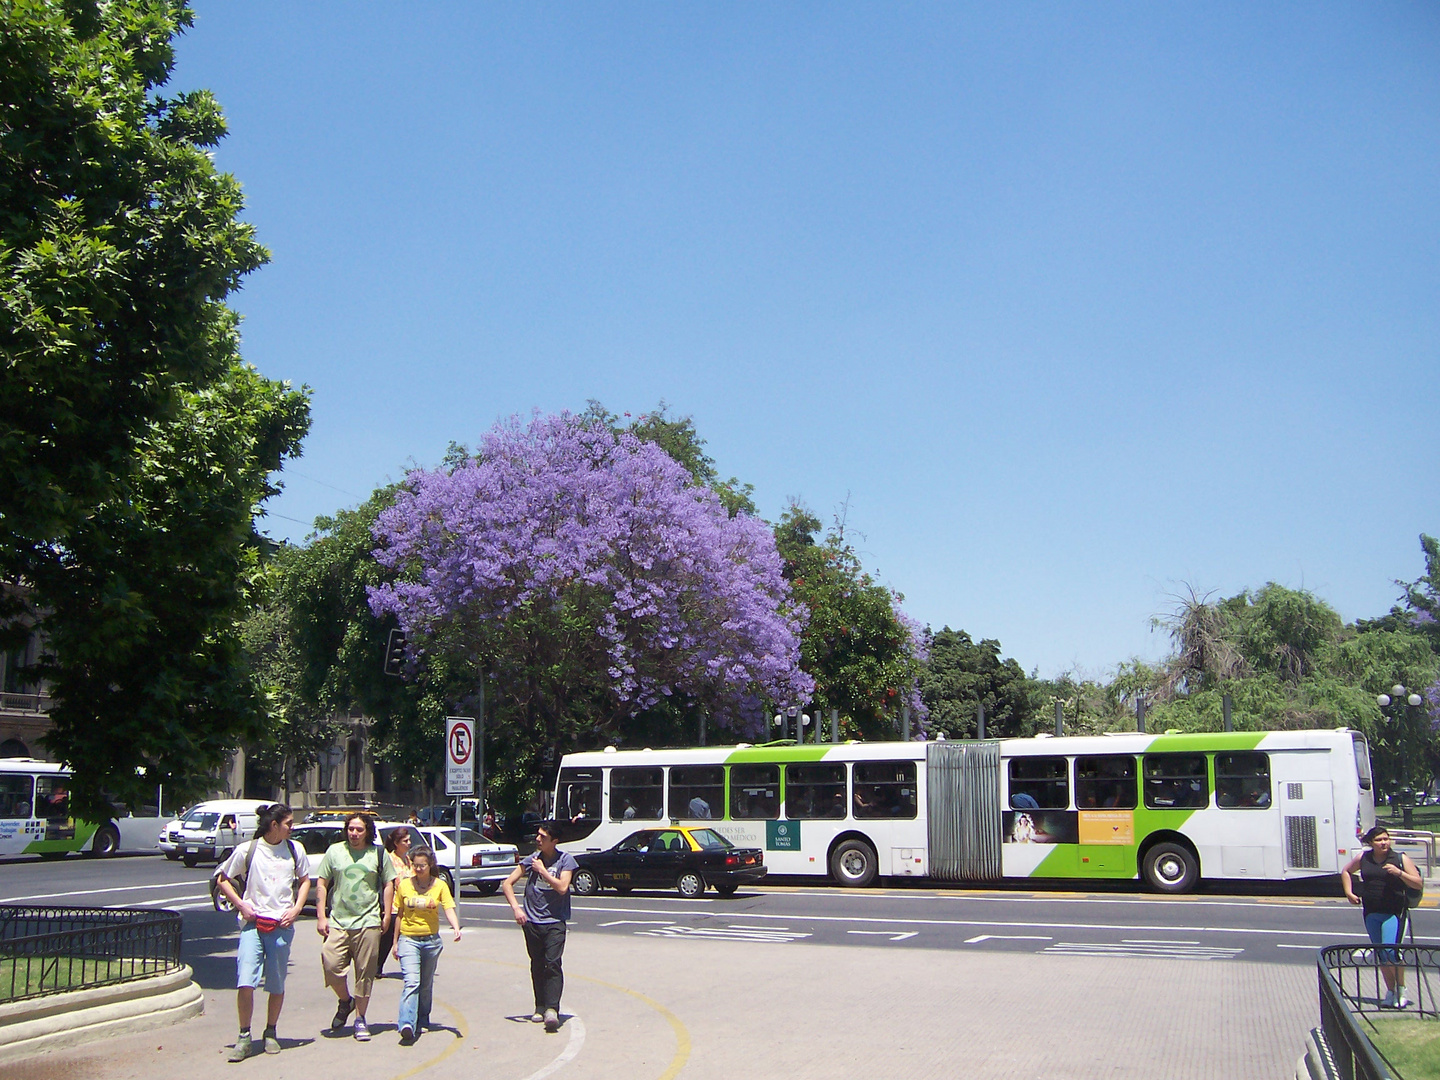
266 925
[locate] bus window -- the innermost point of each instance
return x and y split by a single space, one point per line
1106 782
1044 780
637 793
577 795
754 791
1362 762
17 795
1242 780
885 789
1174 781
52 802
815 791
697 791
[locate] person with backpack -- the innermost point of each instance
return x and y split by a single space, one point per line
1386 879
267 883
360 878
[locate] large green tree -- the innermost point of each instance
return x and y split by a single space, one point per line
135 443
960 675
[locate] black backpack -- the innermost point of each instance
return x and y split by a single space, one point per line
238 881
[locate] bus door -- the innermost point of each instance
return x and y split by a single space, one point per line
963 810
1307 811
18 825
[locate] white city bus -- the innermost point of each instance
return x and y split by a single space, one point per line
1171 809
35 813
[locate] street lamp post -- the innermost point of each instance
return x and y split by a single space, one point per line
1396 700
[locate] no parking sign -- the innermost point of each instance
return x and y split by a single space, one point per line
459 755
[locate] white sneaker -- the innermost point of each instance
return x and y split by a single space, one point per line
1401 1001
1388 1001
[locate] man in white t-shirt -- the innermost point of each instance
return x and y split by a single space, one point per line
275 888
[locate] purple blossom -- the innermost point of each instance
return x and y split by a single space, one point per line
565 516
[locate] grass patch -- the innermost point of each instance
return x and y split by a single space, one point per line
1411 1045
27 976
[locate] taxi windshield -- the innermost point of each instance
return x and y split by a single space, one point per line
709 839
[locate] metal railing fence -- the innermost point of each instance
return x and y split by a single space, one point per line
49 950
1352 985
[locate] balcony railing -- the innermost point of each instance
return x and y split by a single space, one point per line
25 703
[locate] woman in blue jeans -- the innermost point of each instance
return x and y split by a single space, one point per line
418 902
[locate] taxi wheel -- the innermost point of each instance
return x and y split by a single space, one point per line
584 883
690 884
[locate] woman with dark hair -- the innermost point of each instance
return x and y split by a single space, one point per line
1385 874
397 846
364 881
419 899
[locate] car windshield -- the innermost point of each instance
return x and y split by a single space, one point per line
197 820
710 840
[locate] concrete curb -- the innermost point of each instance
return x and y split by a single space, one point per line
62 1020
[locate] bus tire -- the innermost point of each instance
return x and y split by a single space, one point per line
690 885
853 864
106 842
584 883
1170 868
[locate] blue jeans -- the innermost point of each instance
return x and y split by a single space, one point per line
263 953
418 958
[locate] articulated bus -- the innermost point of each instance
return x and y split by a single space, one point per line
35 813
1170 809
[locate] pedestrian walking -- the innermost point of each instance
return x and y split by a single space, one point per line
266 882
542 917
1385 875
419 899
360 879
397 847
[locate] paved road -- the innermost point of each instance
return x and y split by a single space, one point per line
788 981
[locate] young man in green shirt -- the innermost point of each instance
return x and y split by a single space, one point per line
363 879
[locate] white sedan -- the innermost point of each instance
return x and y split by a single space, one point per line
483 864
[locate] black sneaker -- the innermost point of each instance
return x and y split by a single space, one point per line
342 1013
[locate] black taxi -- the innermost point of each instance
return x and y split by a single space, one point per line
688 860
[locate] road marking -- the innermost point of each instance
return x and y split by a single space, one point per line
93 892
886 933
637 922
1307 948
460 1026
1179 952
1156 941
774 937
682 1036
998 937
910 921
576 1027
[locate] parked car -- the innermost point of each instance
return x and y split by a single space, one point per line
210 830
684 859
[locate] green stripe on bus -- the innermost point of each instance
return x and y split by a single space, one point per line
779 755
1212 741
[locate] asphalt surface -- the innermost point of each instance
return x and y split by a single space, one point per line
780 981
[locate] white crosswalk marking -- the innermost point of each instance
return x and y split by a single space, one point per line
1179 950
732 933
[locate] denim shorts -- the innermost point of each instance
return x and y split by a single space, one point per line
267 953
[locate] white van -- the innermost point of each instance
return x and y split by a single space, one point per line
210 830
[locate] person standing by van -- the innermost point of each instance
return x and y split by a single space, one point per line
1385 875
363 879
265 882
543 917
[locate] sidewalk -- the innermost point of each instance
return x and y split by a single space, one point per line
642 1008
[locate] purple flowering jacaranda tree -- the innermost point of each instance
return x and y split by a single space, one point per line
594 580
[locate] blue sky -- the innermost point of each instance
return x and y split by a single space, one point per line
1072 306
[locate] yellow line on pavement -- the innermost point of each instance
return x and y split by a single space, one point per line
682 1036
464 1034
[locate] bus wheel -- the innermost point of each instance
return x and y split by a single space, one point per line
853 864
1170 868
690 884
106 842
584 883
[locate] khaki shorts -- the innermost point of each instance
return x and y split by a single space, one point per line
359 949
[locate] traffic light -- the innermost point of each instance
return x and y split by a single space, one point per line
395 653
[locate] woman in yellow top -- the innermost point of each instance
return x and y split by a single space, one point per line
398 845
418 902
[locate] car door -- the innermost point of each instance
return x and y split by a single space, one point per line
665 859
624 864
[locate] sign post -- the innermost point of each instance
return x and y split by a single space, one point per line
459 769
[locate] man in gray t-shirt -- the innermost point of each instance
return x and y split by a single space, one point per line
543 915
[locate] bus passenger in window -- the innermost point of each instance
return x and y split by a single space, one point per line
629 811
699 808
